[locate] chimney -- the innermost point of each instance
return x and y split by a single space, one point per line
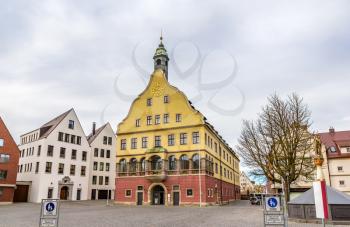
331 130
93 128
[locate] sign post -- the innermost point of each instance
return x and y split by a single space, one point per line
321 203
49 213
273 211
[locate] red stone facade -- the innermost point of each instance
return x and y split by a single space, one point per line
8 164
211 190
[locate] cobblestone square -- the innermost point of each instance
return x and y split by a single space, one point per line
97 214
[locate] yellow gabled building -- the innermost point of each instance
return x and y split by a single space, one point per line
167 152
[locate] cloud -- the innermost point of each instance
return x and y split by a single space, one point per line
55 55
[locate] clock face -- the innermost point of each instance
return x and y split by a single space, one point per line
157 89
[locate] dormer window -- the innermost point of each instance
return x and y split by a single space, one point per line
333 149
149 102
71 124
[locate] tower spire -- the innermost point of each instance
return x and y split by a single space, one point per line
161 57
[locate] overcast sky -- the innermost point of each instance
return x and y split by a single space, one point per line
96 56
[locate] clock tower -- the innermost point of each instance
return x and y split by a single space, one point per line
161 58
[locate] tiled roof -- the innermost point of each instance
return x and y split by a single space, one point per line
91 137
47 128
336 140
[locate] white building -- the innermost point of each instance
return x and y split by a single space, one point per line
247 186
102 162
54 160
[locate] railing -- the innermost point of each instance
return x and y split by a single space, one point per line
148 170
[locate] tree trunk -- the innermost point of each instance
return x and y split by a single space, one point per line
286 188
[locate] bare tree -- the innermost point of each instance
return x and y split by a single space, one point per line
278 144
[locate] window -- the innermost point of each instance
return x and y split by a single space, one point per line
72 139
171 140
133 143
172 163
39 150
195 137
50 151
149 120
189 192
132 165
105 140
62 152
122 166
60 168
48 167
144 142
96 152
123 144
95 165
71 124
128 193
184 163
157 119
166 118
340 168
176 187
106 180
137 123
4 158
1 142
49 193
100 180
82 171
107 167
101 166
178 117
166 99
78 140
74 154
156 163
108 154
195 160
348 149
60 136
3 174
84 156
157 141
183 138
342 183
37 167
94 179
333 149
66 137
216 168
109 140
139 188
102 153
72 170
149 102
143 165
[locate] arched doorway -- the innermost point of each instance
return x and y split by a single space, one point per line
157 195
64 193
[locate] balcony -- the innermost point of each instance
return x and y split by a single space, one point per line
156 175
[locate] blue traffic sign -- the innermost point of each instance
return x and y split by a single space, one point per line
272 202
50 207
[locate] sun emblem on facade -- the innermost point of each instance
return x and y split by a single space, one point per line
157 89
